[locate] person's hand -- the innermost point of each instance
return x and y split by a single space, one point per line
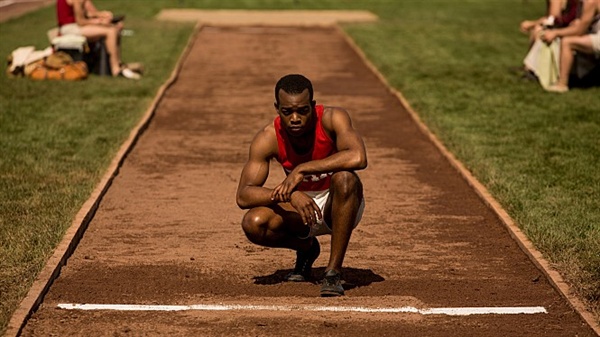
105 14
526 26
548 36
306 207
101 21
283 191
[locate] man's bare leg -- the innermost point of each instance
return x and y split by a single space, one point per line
346 196
280 228
264 226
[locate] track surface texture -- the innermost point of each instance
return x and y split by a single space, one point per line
10 9
167 232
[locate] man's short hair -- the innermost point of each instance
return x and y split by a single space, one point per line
293 84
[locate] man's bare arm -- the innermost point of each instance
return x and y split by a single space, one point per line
351 155
251 192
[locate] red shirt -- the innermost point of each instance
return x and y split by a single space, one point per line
568 14
64 13
323 147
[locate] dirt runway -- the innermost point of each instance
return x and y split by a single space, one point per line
167 231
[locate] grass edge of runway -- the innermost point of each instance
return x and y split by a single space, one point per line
57 146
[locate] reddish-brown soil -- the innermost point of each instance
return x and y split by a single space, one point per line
167 231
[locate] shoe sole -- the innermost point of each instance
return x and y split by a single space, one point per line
331 293
295 278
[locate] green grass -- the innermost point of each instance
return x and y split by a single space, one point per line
57 139
538 153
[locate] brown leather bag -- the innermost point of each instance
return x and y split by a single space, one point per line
58 66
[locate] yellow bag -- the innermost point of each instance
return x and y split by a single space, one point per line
58 66
70 72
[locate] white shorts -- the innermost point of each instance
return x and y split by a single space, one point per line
70 29
321 227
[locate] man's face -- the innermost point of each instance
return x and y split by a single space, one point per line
296 112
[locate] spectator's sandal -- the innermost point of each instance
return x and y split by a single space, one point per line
136 67
129 74
558 88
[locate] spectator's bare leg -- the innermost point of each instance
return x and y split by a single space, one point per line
569 45
110 35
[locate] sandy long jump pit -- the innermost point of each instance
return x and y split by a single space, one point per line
165 254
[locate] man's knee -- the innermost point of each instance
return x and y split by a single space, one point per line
346 183
254 226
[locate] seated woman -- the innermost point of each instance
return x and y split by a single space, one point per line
538 63
82 18
583 36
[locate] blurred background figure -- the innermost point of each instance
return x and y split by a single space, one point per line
541 61
81 17
578 41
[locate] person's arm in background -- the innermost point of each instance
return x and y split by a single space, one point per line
578 27
82 19
93 12
554 11
555 8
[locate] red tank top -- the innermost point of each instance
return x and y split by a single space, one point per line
323 147
64 13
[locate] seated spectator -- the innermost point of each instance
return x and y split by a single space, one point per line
560 13
538 64
582 36
81 17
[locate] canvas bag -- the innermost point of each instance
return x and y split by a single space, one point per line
543 60
58 66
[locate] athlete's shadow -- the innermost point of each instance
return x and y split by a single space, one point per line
353 277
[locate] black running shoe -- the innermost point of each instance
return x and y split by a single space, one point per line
304 261
332 284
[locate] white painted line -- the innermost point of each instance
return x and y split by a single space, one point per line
484 311
466 311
